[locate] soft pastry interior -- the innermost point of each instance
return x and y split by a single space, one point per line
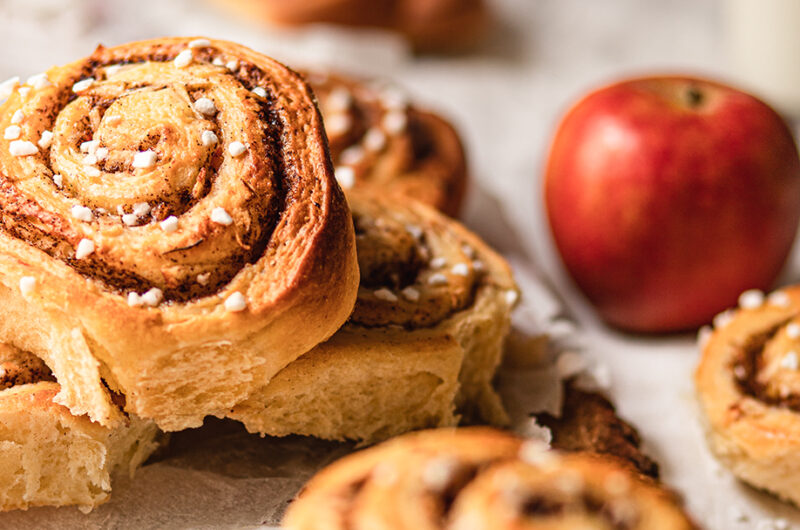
48 456
422 345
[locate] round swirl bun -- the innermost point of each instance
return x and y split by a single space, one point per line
423 342
430 25
379 139
169 221
748 383
51 457
479 479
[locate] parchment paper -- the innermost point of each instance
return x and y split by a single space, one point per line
505 100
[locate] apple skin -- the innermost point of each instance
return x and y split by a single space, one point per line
669 196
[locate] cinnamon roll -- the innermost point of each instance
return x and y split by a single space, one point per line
169 221
422 345
479 479
378 138
429 25
748 384
50 457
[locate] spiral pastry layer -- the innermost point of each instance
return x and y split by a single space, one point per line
479 479
748 384
429 25
169 221
379 139
423 342
50 457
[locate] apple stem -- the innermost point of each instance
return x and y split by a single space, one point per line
694 96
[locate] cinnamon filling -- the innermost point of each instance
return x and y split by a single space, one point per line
21 368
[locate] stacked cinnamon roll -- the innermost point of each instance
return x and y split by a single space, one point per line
174 245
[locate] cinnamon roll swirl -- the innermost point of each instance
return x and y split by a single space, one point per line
169 221
422 345
378 138
50 457
479 479
748 384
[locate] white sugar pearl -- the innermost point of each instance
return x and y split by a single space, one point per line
58 180
346 176
460 269
437 279
8 86
260 92
220 216
236 149
410 293
751 299
202 279
26 285
101 153
374 140
39 81
183 59
24 91
415 231
90 146
83 84
82 213
134 299
205 106
394 99
45 140
790 361
438 262
170 224
511 297
18 116
141 209
144 159
22 148
723 319
152 297
352 155
235 302
779 299
793 330
339 100
209 138
337 124
85 247
385 294
112 70
12 132
232 65
218 61
130 219
394 122
200 43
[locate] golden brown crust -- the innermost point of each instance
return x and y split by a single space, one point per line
588 423
748 385
432 311
387 143
430 25
479 478
261 243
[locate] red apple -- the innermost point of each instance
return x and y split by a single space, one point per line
669 196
